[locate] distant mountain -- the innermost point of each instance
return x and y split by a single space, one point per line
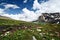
4 17
49 18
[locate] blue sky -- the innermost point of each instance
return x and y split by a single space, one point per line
21 3
27 10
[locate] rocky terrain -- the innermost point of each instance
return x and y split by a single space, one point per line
49 18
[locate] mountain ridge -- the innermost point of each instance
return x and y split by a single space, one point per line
49 18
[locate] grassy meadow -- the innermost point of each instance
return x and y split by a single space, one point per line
20 30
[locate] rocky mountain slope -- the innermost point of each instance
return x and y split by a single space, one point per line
49 18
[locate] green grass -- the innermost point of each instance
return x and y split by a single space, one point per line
14 22
27 34
48 31
9 22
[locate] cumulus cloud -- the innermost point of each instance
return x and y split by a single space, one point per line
11 6
7 6
25 1
49 6
1 11
26 16
30 15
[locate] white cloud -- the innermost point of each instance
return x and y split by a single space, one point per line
36 5
49 6
25 1
30 15
11 6
1 11
7 6
26 16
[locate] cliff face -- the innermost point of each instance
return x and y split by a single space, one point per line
50 18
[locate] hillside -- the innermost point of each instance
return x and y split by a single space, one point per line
20 30
6 22
4 17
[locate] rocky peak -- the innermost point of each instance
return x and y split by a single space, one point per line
49 17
